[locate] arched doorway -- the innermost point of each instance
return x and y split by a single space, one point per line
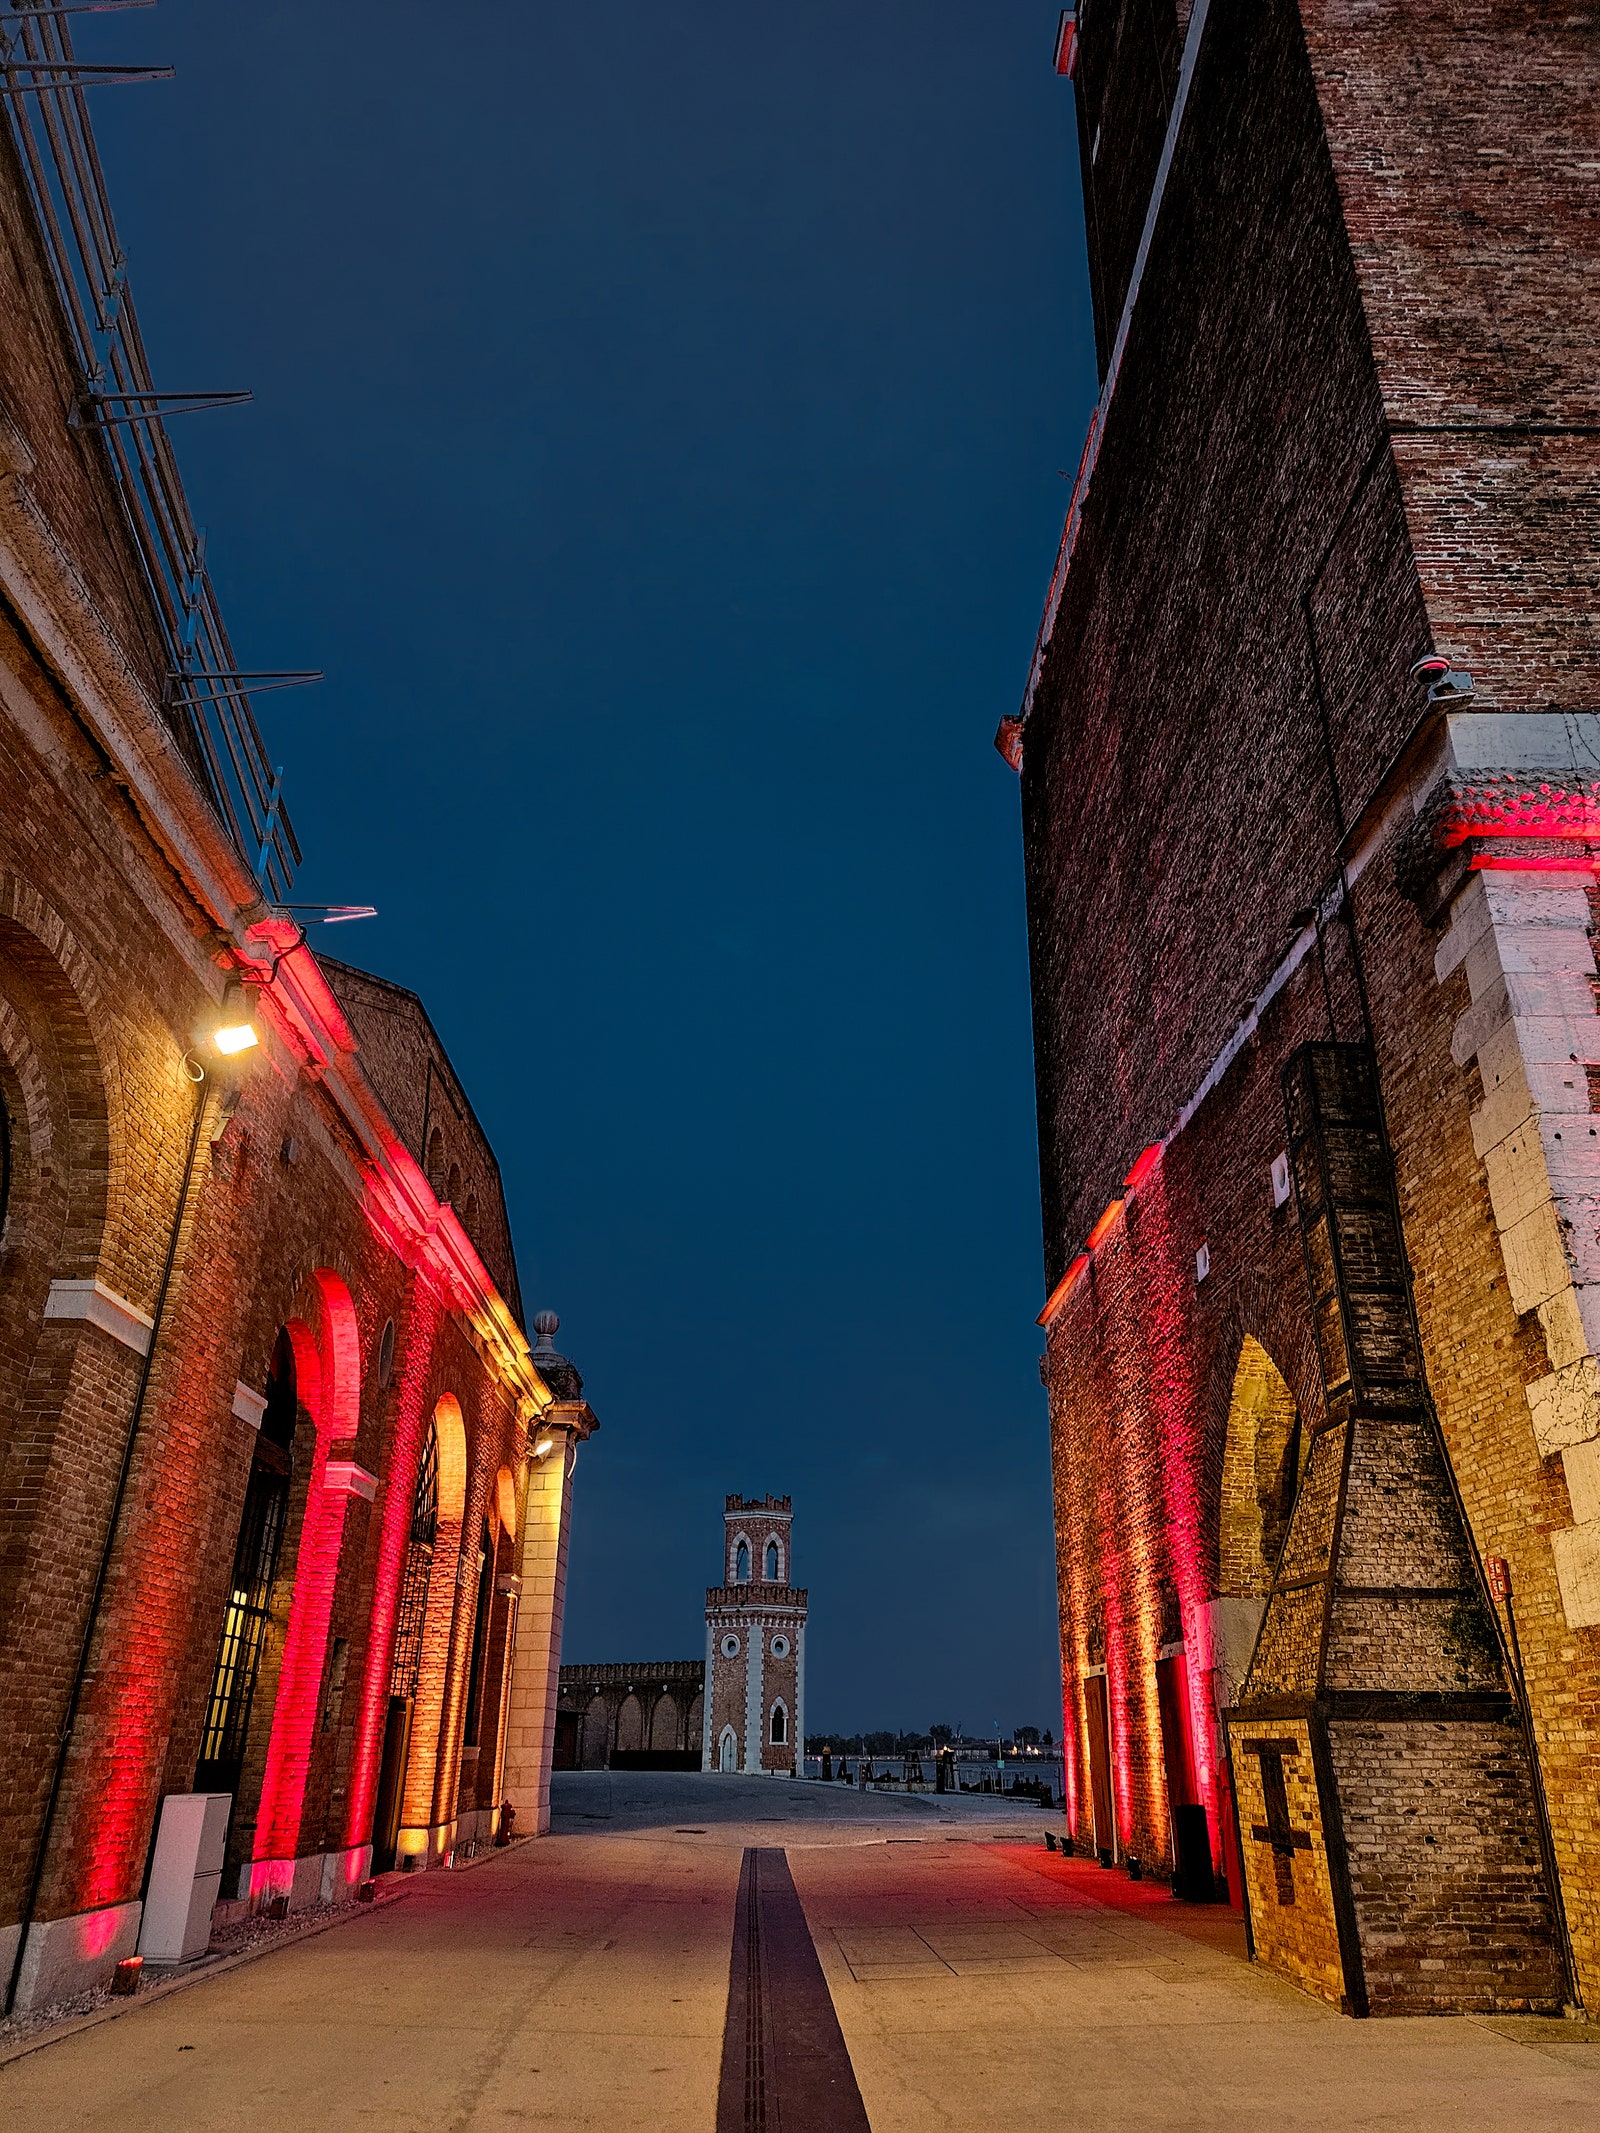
728 1753
1261 1465
596 1750
255 1566
405 1662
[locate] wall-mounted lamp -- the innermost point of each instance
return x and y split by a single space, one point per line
235 1031
544 1447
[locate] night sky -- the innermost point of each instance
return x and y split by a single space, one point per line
659 415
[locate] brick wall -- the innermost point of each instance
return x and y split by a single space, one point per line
1355 420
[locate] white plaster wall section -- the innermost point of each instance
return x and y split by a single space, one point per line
753 1641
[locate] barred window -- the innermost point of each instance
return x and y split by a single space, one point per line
406 1662
255 1565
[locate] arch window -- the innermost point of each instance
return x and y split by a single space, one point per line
407 1659
780 1726
773 1562
741 1563
405 1662
255 1565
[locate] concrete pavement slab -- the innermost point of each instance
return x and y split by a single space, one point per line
581 1982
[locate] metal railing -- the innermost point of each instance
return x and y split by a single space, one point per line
204 694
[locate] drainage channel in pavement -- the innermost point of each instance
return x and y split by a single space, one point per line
784 2059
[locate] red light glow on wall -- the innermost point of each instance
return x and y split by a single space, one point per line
328 1380
393 1512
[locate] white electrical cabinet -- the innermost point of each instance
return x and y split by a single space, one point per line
185 1875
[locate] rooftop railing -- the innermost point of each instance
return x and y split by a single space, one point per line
205 693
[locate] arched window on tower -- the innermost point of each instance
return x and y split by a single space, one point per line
255 1565
741 1564
780 1725
772 1562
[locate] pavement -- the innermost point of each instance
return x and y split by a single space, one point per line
581 1981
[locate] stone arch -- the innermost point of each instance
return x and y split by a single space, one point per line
328 1390
65 1156
695 1726
1261 1463
772 1559
728 1750
595 1751
451 1425
630 1723
741 1557
664 1722
778 1724
431 1754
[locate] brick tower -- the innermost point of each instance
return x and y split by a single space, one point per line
755 1645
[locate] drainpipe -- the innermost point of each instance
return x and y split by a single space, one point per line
197 1074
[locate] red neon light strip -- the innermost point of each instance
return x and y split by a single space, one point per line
1102 1228
1143 1165
1058 1295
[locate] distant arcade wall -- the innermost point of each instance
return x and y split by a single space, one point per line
625 1717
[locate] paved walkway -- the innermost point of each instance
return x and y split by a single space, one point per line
581 1982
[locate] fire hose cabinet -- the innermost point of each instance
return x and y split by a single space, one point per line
185 1875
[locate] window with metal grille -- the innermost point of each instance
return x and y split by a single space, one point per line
243 1627
406 1664
255 1565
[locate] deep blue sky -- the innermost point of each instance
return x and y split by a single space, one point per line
658 419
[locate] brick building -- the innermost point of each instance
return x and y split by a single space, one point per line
622 1715
755 1710
284 1490
1310 774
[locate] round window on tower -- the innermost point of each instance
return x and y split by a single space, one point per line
780 1647
730 1647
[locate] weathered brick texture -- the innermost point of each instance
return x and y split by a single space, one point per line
317 1204
1354 424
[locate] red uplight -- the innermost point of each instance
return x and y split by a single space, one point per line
1145 1163
1067 42
1058 1295
1103 1228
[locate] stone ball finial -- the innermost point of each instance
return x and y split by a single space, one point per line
547 1325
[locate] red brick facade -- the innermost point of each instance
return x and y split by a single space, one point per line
329 1186
1348 423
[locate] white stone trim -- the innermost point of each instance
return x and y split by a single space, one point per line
345 1478
800 1699
754 1652
247 1405
96 1305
